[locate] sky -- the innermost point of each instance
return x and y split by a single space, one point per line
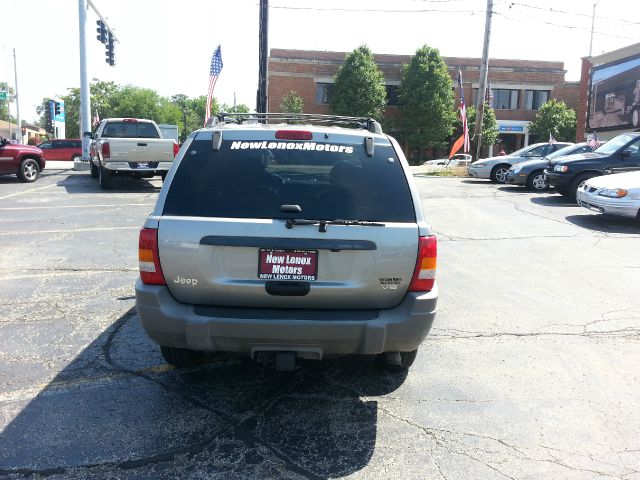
167 46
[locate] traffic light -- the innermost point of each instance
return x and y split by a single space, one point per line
56 108
110 56
102 32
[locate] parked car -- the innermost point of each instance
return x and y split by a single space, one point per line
279 241
457 160
62 149
25 161
531 172
131 147
618 155
496 168
617 194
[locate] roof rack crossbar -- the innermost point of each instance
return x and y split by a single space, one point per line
369 124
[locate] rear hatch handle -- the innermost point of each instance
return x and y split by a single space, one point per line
140 144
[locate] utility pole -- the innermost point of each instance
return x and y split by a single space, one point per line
261 103
85 105
15 69
484 72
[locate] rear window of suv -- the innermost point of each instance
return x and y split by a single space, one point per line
254 179
129 130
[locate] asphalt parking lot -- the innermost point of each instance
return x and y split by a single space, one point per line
531 370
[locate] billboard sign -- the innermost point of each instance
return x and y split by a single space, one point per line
614 95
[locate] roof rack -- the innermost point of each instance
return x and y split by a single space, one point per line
369 124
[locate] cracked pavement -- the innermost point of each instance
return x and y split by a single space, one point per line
529 372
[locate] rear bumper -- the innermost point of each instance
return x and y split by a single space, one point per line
247 330
133 167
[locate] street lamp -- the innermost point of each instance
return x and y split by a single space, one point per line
593 19
184 123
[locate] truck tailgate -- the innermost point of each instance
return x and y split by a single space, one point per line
140 150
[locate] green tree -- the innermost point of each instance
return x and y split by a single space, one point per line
4 104
292 103
358 88
102 98
489 124
239 108
554 118
426 101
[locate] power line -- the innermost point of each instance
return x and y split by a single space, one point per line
554 10
570 27
373 10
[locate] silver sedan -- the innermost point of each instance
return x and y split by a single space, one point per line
495 168
617 194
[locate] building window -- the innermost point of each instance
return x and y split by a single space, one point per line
504 99
534 99
392 95
323 93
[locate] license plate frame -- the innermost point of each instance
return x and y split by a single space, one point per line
288 264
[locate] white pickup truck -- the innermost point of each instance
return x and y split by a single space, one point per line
130 146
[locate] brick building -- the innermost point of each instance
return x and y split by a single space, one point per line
609 98
519 87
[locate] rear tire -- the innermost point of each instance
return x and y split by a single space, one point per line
28 171
106 178
537 181
95 173
181 357
576 183
499 173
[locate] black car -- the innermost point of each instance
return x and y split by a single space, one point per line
621 154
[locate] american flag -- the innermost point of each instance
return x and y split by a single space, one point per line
551 139
592 141
96 119
214 71
463 114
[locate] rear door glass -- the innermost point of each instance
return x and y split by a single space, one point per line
129 130
255 179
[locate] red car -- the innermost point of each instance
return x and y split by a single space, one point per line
25 161
62 149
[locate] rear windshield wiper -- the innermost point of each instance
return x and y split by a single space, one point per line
323 223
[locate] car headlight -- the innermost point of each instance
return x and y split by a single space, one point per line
560 168
478 165
613 193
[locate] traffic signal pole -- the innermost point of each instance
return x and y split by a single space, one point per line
15 69
85 105
484 71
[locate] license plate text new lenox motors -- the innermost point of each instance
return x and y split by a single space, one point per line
288 264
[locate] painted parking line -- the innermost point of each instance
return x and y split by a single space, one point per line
28 191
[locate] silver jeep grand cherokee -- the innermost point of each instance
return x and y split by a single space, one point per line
283 240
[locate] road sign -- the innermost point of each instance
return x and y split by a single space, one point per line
3 95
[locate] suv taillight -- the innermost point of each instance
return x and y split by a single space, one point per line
148 258
176 148
424 276
106 150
